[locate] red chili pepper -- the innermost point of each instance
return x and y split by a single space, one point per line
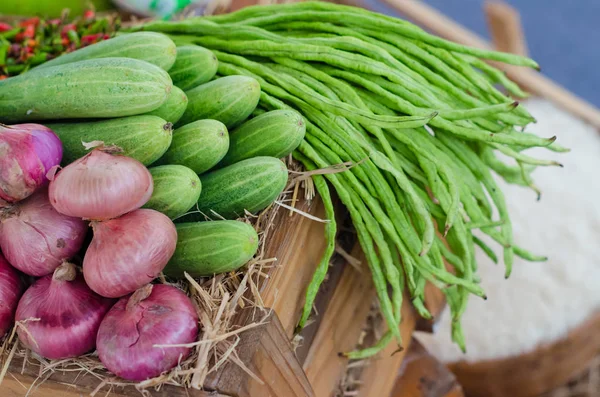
3 77
4 27
65 41
67 28
30 22
19 37
89 14
106 37
31 43
91 38
29 31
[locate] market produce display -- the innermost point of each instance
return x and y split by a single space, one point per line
367 85
416 120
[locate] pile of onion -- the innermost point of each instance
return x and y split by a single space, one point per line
11 287
60 315
27 153
35 238
101 186
128 252
129 334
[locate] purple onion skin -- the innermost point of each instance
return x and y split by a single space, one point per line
36 239
27 153
70 315
11 288
128 252
127 335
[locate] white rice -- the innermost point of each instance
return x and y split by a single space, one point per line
540 302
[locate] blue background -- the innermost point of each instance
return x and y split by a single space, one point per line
563 36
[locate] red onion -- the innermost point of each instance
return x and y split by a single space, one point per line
27 152
69 315
35 238
101 186
128 252
153 315
11 287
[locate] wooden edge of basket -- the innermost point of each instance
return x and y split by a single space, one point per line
531 374
422 375
298 251
267 352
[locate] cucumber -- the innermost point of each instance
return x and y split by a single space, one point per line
145 138
250 185
155 48
275 134
194 65
174 106
207 248
199 145
96 88
228 99
176 190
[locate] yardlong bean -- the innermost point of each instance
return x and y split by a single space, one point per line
418 116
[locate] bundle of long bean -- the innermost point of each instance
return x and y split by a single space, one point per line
368 85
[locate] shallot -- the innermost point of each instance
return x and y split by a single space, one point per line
27 153
101 186
128 252
35 238
11 287
60 315
133 336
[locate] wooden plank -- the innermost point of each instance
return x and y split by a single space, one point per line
379 376
505 27
75 384
268 354
321 306
340 328
422 375
532 374
298 253
528 79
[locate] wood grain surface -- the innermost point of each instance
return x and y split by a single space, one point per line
298 248
340 328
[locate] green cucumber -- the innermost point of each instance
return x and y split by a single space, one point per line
275 134
174 106
208 248
194 65
96 88
199 145
144 138
250 185
176 190
155 48
228 99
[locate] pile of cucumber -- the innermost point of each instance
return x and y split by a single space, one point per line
164 106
